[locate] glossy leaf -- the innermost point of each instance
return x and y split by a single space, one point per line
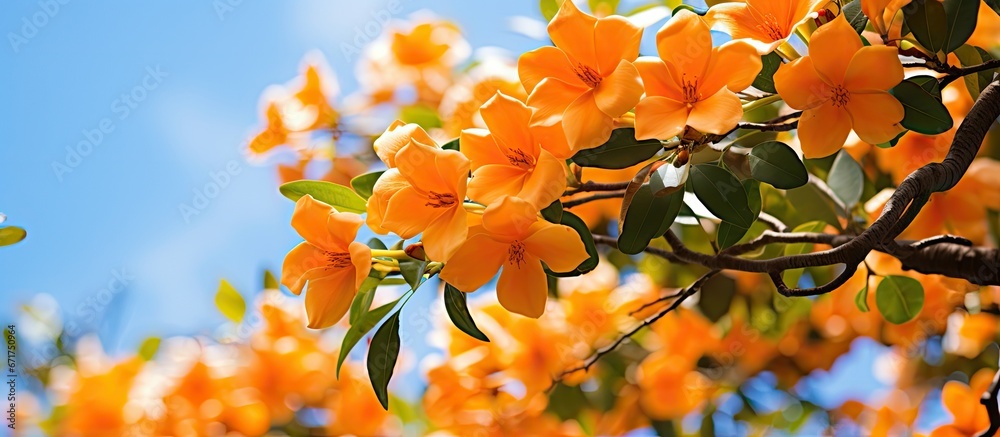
455 303
861 299
923 113
730 234
412 271
928 22
622 150
778 165
765 79
364 184
229 302
969 56
852 11
338 196
899 298
961 16
578 225
11 234
366 294
668 179
846 179
721 193
452 145
382 354
553 213
648 217
358 330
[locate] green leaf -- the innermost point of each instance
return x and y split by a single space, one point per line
961 16
811 203
928 22
791 276
270 282
229 302
549 8
376 244
337 196
923 113
765 79
451 145
846 179
855 16
553 213
605 7
969 56
622 150
648 217
861 299
422 115
668 179
365 296
994 4
382 354
929 84
364 184
722 194
358 330
11 234
578 225
899 298
729 234
455 303
778 165
148 348
412 271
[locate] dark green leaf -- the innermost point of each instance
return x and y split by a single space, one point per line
622 150
229 302
338 196
553 213
668 179
578 225
969 56
148 348
923 113
778 165
846 179
648 217
376 244
729 234
722 194
458 311
382 354
699 11
961 15
928 22
765 79
270 282
11 234
358 330
994 4
855 16
899 298
412 271
451 145
365 296
363 184
929 84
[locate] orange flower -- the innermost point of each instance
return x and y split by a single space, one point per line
842 86
693 86
507 159
305 110
460 104
882 12
274 134
397 136
587 79
329 260
764 23
431 202
962 401
512 237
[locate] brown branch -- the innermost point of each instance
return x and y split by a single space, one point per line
597 186
991 402
956 72
662 253
593 197
769 127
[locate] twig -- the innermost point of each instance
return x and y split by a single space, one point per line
665 254
593 197
991 402
597 186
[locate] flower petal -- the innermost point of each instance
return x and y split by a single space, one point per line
509 219
615 39
657 78
874 68
397 136
685 41
832 47
619 92
320 224
558 245
551 98
823 130
799 84
302 263
361 258
481 148
734 65
385 187
445 235
408 213
735 19
522 287
508 120
328 298
548 61
545 183
474 263
659 117
875 116
717 114
573 31
491 182
552 139
586 126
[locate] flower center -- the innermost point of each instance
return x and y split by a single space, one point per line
439 200
588 75
690 88
770 27
840 96
515 254
518 158
338 259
